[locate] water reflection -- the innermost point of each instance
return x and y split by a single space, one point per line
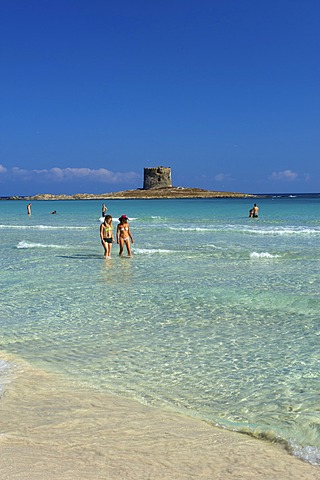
117 270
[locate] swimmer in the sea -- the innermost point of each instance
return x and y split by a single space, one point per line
104 210
255 211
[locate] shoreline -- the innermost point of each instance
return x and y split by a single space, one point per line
55 429
154 193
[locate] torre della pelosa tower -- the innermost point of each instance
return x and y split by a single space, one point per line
157 177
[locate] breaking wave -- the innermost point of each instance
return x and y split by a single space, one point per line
263 255
23 244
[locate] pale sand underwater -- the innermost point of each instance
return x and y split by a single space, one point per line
53 429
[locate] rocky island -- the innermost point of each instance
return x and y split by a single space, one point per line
154 193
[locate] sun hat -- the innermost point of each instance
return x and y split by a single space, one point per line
123 217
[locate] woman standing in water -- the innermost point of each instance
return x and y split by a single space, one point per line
124 235
106 235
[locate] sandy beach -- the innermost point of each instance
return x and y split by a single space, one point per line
52 429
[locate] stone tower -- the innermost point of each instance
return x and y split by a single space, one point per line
157 177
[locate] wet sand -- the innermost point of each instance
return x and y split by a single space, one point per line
53 429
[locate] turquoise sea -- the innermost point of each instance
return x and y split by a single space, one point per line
215 315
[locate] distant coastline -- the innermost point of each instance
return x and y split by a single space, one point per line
154 193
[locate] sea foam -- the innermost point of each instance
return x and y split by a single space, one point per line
23 244
150 251
308 454
263 255
4 366
42 227
244 230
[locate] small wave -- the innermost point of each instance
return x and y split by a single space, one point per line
308 454
23 244
240 229
43 227
263 255
281 231
150 251
285 231
4 366
215 246
192 229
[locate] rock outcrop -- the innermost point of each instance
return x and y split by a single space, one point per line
164 192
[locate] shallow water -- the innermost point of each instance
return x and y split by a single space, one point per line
216 314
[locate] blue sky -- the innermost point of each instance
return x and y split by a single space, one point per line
225 92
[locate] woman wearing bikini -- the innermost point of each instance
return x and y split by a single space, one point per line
124 235
106 235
